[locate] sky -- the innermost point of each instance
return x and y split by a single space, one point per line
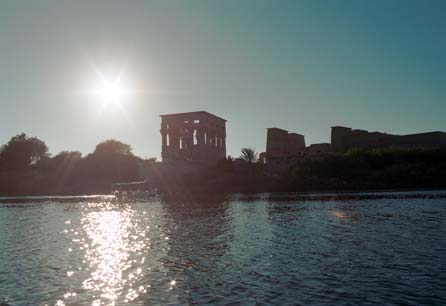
303 66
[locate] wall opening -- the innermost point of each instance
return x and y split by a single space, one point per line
195 137
181 143
205 138
167 140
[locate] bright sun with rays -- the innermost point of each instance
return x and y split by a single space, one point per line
109 91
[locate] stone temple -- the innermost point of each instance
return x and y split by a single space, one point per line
283 148
194 136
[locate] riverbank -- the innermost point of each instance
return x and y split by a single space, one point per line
353 172
277 196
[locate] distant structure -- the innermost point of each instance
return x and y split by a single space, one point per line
339 138
281 144
317 149
194 136
282 147
344 139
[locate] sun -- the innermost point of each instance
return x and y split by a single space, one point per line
111 91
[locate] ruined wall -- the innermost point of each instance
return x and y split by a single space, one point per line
281 145
367 141
318 149
428 140
295 144
340 138
276 143
344 139
195 136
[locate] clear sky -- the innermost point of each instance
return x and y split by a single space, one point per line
299 65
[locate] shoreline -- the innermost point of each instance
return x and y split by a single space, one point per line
309 196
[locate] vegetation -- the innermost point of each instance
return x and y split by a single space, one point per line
249 155
356 170
360 170
113 147
27 168
21 152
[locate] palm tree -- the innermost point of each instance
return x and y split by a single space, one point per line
249 155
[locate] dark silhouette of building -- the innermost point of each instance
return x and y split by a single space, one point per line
281 144
317 149
193 136
344 139
339 138
283 148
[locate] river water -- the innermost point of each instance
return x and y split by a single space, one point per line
256 249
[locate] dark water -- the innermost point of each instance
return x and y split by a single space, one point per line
241 250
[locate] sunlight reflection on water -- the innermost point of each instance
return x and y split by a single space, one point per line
113 241
247 249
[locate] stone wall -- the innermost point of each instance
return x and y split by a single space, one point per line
344 139
194 136
281 144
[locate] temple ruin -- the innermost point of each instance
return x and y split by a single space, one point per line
193 136
281 144
344 139
283 148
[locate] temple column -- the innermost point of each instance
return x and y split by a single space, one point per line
163 138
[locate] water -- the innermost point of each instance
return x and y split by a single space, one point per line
239 250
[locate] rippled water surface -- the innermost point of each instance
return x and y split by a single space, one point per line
239 250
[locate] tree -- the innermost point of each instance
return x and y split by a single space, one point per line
67 155
22 152
150 160
111 162
249 155
64 160
112 146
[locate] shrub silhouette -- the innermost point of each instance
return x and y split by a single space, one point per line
248 155
26 168
21 152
